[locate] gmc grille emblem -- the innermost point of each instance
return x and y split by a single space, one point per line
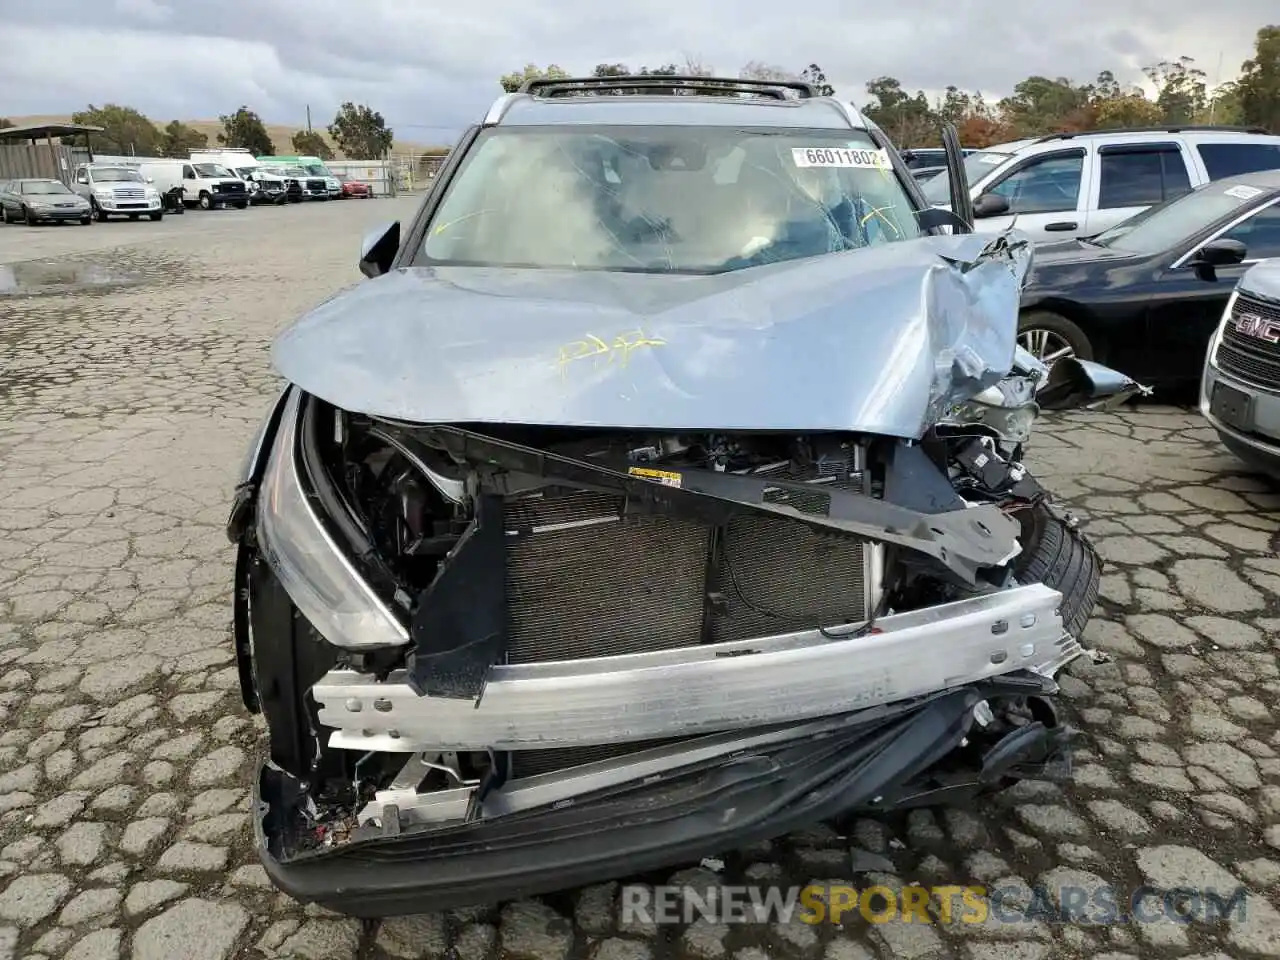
1252 325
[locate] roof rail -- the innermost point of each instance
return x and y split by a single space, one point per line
1171 128
567 86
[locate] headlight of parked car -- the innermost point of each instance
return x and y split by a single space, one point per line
310 565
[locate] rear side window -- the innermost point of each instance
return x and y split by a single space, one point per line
1141 176
1222 160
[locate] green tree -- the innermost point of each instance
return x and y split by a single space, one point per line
907 119
611 70
360 132
1259 85
1127 110
757 70
1224 106
244 128
5 123
125 131
512 82
308 143
180 139
1180 89
1039 105
814 76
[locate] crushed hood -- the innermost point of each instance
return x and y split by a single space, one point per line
877 340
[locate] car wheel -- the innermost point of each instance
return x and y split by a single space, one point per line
241 204
4 214
86 221
156 216
30 217
98 211
1051 336
206 201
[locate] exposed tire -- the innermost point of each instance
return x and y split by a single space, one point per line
86 221
4 215
134 216
98 211
1057 328
1059 556
30 217
156 216
241 204
206 201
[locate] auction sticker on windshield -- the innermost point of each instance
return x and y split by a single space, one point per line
840 157
1242 192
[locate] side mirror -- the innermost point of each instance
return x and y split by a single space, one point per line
1076 383
990 205
1220 253
1217 253
379 249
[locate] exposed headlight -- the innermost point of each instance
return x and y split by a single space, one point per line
38 204
153 194
311 567
1222 326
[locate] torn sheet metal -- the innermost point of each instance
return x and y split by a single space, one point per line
877 340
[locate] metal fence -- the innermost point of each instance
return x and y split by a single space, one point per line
40 160
417 171
379 174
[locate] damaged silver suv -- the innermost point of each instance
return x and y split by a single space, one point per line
659 493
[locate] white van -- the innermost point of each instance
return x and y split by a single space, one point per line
208 185
264 185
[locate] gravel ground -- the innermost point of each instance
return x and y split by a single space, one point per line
125 758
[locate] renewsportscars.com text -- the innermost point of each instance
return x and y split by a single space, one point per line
941 905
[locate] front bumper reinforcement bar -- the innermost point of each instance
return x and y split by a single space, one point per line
707 689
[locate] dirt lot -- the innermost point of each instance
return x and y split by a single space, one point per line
125 757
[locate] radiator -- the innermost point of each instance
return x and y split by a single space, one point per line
585 581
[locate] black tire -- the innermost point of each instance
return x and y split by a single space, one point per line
1060 327
1059 556
86 221
134 216
4 214
205 201
98 211
30 217
156 216
241 204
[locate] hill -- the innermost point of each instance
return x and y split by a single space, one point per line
280 133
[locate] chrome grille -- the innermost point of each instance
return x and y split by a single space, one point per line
1250 358
129 193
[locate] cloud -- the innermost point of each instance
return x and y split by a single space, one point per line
432 69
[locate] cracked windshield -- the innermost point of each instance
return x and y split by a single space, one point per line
684 200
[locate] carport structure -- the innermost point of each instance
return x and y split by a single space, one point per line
30 151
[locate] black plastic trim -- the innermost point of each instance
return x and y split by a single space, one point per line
645 827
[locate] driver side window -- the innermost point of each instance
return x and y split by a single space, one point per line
1260 234
1048 184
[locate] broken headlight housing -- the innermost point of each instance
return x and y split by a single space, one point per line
303 553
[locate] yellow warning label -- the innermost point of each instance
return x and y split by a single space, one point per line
665 477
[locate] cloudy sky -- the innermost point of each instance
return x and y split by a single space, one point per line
432 67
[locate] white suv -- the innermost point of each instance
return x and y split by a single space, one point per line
1078 184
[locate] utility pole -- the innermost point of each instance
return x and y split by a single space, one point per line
308 118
